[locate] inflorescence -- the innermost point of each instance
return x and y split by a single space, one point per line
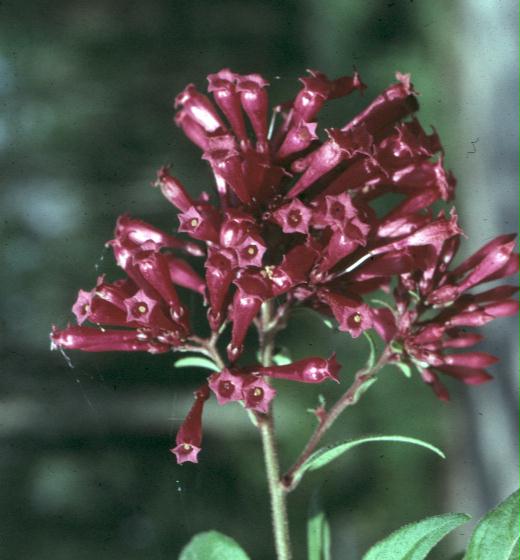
295 223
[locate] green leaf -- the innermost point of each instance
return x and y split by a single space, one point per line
328 323
371 360
325 455
212 545
282 358
496 535
405 368
414 541
198 362
318 531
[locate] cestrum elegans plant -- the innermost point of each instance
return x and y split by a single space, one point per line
290 223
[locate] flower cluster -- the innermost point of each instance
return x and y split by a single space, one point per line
424 342
298 222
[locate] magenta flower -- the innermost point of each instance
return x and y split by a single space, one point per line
255 103
294 217
223 87
308 370
199 108
257 394
91 339
352 314
189 436
227 386
253 290
426 350
173 190
426 342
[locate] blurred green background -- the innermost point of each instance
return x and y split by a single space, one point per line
85 120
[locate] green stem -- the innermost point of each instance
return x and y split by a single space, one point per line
266 428
276 491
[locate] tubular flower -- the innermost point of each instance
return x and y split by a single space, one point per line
292 221
189 436
309 370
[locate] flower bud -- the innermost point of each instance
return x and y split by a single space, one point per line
91 339
182 274
222 86
395 103
252 291
220 273
470 359
298 139
199 108
434 233
342 145
255 103
193 130
173 190
154 269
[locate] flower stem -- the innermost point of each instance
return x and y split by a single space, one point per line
276 490
326 419
266 428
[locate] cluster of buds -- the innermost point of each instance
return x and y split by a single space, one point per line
295 224
424 342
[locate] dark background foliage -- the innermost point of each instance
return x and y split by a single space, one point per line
85 120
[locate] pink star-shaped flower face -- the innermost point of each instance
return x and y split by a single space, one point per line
140 307
293 217
251 251
257 394
81 308
186 452
226 386
190 220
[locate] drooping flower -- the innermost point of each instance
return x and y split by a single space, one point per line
189 436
